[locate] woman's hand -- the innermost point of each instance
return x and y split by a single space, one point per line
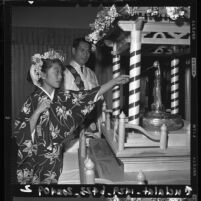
43 105
122 79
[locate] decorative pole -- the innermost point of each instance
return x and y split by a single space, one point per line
164 137
116 89
174 86
135 70
104 112
121 132
90 175
135 27
141 178
82 144
107 121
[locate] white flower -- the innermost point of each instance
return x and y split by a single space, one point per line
77 98
66 134
46 55
181 12
36 179
54 131
155 12
67 95
133 10
49 147
36 58
59 110
20 154
23 125
149 11
28 143
24 176
62 113
30 148
113 12
26 108
68 113
17 123
174 12
35 73
53 155
127 9
88 108
85 111
50 177
174 17
19 173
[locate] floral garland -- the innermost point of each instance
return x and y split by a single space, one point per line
35 70
107 17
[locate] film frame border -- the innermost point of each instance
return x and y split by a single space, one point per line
6 8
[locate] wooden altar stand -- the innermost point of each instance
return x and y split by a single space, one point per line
111 168
129 154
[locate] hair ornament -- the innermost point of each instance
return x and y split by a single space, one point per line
35 70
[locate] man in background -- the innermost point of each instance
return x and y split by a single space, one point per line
78 76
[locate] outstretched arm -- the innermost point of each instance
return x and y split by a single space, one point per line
71 107
122 79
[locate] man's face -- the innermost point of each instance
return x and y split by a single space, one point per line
81 54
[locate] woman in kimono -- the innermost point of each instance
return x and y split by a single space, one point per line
48 117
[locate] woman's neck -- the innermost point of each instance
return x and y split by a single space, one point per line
47 88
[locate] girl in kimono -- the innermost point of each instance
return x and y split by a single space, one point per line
48 116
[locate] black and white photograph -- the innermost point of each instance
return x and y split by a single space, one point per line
100 93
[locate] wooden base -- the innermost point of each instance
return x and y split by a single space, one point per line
156 164
179 137
143 151
109 169
107 165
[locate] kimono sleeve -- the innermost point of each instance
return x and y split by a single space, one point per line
22 132
75 105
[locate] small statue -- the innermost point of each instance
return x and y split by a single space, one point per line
157 105
154 119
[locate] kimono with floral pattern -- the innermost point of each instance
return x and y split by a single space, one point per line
40 158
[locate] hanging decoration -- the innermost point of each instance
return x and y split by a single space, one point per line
108 18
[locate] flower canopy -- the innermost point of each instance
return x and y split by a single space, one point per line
108 17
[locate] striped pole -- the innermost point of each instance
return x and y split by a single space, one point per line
174 86
116 89
135 70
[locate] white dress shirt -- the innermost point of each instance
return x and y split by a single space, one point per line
90 81
88 77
